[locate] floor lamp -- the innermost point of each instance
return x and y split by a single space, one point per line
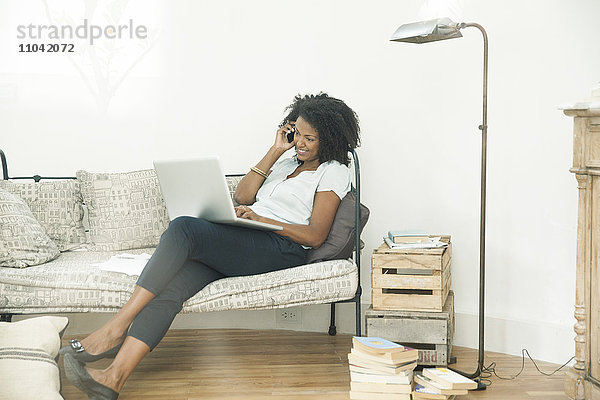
432 31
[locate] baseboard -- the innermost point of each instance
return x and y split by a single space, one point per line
544 341
314 318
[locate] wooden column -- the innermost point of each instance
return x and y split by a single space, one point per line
583 379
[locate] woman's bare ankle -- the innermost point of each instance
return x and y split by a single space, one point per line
102 340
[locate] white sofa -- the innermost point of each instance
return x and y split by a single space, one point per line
95 216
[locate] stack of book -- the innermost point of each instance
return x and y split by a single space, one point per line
441 384
380 369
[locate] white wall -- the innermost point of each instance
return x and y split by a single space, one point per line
220 74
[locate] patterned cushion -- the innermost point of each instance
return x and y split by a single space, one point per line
58 207
28 352
126 210
316 283
73 283
23 241
232 182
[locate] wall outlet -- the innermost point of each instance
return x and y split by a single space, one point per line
288 315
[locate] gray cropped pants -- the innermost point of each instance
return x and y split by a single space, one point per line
194 252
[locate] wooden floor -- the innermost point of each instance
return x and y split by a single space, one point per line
249 364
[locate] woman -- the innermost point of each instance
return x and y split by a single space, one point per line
300 194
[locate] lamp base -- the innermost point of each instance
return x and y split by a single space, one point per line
480 385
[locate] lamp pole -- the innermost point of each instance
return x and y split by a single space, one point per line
442 29
483 128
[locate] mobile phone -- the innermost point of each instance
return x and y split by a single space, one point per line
290 135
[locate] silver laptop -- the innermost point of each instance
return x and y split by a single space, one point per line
197 188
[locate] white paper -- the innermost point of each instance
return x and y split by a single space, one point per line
433 243
130 264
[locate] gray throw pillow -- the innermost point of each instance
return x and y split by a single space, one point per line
342 236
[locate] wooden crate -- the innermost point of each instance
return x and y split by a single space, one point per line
429 332
411 279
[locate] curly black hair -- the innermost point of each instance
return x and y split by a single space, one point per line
335 122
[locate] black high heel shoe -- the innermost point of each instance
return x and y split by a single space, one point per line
76 350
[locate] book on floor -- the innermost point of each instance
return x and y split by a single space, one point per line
357 376
378 396
388 358
422 393
376 366
376 345
364 370
374 387
449 379
435 387
380 369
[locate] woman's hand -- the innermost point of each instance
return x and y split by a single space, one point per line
281 141
246 190
246 213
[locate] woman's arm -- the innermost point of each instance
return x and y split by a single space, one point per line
315 233
246 190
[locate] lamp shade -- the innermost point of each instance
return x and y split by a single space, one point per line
427 31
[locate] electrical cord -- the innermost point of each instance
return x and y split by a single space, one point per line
486 372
